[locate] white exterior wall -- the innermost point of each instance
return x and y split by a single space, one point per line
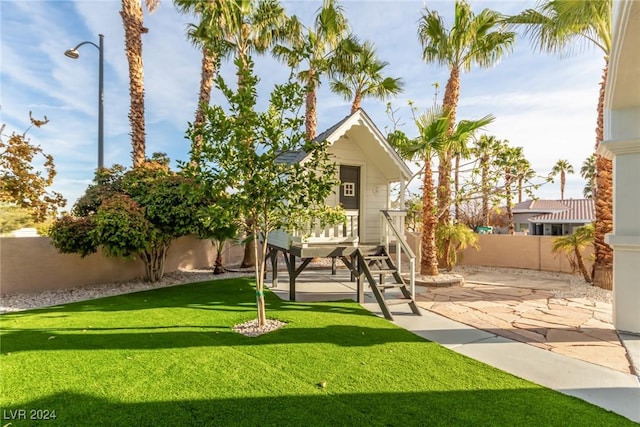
622 142
374 189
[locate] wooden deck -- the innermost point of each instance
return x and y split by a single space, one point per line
341 242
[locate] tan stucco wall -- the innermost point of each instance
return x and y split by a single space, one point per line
30 264
530 252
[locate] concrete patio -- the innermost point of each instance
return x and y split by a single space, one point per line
569 345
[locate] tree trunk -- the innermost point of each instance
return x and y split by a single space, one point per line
132 21
207 72
520 183
484 165
449 104
249 257
563 181
581 266
154 262
456 188
219 265
447 255
603 266
260 265
357 99
429 258
310 120
509 197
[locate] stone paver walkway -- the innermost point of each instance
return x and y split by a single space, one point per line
575 327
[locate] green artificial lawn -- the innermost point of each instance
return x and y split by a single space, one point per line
169 357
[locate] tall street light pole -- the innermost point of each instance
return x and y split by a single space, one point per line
74 54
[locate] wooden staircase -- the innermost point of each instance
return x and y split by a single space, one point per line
378 263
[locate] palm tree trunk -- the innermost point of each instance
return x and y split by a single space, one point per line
603 266
451 95
520 183
207 73
456 188
311 123
563 181
449 104
132 21
484 165
429 258
357 100
581 266
509 197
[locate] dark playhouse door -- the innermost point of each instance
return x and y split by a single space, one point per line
350 187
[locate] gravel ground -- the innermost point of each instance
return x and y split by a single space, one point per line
15 302
26 301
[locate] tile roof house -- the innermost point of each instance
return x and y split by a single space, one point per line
552 217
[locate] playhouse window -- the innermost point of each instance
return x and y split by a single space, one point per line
349 189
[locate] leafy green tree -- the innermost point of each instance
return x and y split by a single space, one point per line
573 245
13 218
21 182
472 40
243 28
242 150
564 26
562 168
359 74
132 214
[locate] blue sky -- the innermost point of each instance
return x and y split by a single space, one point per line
544 103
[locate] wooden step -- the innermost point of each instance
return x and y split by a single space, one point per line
397 301
382 271
376 257
390 285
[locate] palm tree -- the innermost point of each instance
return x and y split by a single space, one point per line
132 21
573 245
318 47
254 27
247 27
562 168
459 151
524 173
453 238
472 40
433 138
486 149
558 26
205 34
588 172
508 159
359 75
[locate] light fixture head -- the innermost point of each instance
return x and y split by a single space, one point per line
72 53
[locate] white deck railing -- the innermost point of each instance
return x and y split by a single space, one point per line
392 228
315 233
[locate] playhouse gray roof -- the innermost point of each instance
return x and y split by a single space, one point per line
291 157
